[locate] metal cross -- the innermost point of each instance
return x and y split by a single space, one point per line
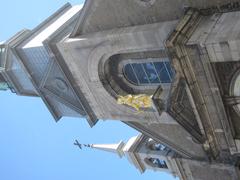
78 144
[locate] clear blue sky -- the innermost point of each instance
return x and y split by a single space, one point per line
33 146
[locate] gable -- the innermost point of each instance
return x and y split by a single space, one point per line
56 83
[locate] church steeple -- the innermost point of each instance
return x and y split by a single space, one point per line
121 149
142 152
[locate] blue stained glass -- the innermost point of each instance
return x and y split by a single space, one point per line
128 70
151 72
159 147
162 72
141 75
169 68
158 162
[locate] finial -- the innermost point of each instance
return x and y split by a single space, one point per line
76 143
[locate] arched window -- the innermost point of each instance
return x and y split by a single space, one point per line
154 146
155 162
158 147
148 73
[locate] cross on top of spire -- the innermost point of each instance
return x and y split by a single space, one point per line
76 143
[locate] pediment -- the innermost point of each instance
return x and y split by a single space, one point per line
57 84
59 108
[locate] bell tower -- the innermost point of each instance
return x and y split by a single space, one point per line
146 154
143 153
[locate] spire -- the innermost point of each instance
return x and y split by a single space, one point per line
113 148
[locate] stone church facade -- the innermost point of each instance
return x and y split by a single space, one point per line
185 54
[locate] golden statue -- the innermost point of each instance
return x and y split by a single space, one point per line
136 101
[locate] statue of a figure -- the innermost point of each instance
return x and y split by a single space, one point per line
136 101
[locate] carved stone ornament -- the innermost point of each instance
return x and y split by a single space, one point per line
60 84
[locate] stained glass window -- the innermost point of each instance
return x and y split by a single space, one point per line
159 147
158 163
148 73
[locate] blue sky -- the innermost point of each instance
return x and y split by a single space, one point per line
33 145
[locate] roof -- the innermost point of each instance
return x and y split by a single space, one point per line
103 15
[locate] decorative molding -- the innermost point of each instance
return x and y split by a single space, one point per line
177 50
194 65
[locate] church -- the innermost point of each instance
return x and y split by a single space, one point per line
169 69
